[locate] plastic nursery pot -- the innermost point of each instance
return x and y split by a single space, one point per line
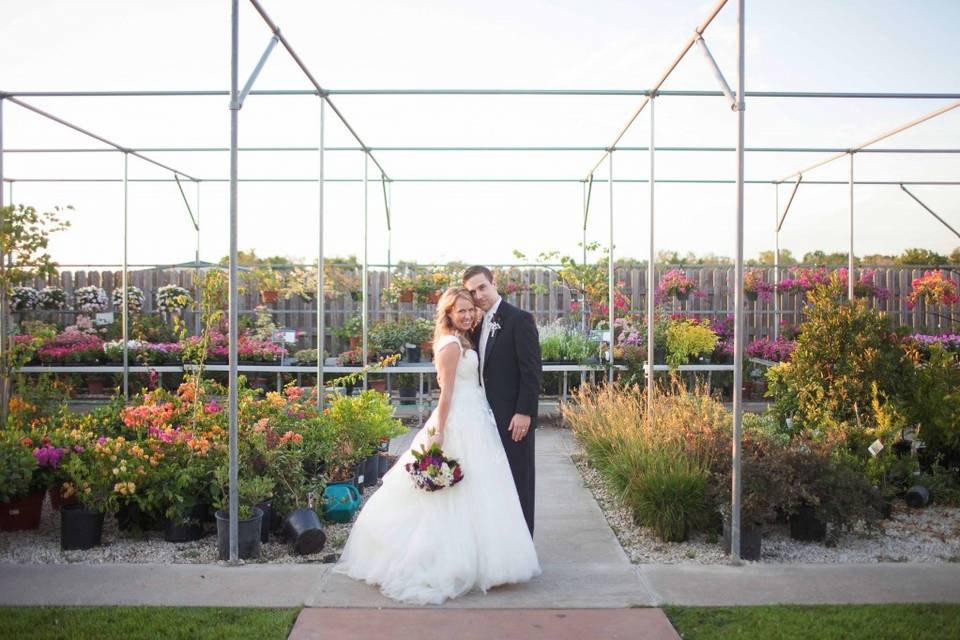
188 531
371 471
918 496
248 535
267 508
806 526
751 537
303 528
22 513
80 528
413 353
408 395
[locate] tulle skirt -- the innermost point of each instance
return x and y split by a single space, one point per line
425 547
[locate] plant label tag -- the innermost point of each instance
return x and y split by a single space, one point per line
360 479
875 448
103 318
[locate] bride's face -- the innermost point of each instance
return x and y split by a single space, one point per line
462 315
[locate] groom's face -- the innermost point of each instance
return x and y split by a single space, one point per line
483 291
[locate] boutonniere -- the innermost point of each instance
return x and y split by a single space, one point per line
494 324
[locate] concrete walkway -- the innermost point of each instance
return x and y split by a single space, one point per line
583 568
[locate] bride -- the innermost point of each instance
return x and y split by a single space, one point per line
424 547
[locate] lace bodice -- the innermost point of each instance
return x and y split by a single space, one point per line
467 365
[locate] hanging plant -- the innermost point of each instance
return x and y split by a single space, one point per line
23 298
134 299
171 297
91 298
52 299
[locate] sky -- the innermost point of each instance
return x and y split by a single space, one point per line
850 46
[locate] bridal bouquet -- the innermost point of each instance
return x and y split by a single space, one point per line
432 471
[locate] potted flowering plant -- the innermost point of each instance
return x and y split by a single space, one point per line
171 297
804 279
23 298
134 299
676 283
253 489
687 339
866 286
401 289
778 350
52 299
755 287
103 476
933 288
71 347
268 281
90 299
19 504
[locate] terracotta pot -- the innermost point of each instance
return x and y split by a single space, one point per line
377 385
406 296
433 297
269 297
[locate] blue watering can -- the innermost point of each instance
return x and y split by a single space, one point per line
341 500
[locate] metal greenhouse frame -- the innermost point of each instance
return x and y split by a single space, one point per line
736 97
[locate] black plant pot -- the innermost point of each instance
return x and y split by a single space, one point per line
248 535
413 354
918 496
805 526
80 528
902 448
190 530
371 471
408 395
886 508
303 528
130 517
751 536
265 523
386 462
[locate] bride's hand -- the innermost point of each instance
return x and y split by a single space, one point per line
434 437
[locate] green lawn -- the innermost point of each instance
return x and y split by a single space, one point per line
107 623
826 622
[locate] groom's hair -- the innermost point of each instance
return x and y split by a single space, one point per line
477 269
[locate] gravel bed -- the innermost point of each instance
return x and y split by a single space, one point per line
912 535
42 546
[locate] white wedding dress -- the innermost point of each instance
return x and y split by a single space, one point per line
424 547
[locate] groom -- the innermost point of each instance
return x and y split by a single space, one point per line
509 349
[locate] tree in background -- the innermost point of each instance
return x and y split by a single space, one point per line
924 257
24 236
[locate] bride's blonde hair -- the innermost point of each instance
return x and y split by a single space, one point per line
442 324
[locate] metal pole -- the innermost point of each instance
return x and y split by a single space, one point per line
365 316
123 280
3 294
234 299
850 268
651 275
583 302
776 262
738 304
610 275
902 188
196 269
321 300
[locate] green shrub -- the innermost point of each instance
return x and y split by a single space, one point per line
934 402
687 340
670 495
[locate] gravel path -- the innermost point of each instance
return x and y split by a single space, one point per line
924 535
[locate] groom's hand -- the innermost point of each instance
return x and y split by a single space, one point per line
519 425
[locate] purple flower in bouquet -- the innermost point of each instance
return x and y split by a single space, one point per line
432 471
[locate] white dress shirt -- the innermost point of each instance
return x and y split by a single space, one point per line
485 333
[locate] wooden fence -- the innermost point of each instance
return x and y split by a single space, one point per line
714 297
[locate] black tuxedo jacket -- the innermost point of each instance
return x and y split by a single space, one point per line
511 376
512 368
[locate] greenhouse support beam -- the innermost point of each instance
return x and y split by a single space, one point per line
776 261
364 286
651 272
724 87
321 299
877 139
738 331
663 77
851 275
930 211
78 129
793 193
234 298
564 149
679 93
3 297
611 279
125 308
890 183
256 70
